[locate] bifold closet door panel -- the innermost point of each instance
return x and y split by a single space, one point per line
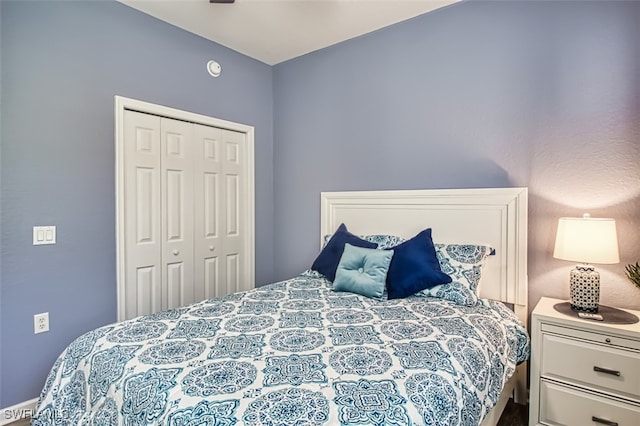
143 239
235 208
177 157
208 212
219 206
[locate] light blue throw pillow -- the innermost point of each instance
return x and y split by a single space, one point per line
362 271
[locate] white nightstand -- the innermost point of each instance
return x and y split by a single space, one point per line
583 372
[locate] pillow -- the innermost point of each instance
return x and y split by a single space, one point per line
327 261
463 262
384 241
362 271
414 267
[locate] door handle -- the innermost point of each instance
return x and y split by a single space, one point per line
176 252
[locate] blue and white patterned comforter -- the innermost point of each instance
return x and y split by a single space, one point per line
290 353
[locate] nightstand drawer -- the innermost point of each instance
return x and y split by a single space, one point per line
605 339
561 405
607 368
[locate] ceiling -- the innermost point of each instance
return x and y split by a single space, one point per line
273 31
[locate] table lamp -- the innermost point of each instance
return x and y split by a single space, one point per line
586 240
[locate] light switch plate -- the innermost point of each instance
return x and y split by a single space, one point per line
44 235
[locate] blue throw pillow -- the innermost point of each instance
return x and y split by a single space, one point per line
414 267
362 271
327 261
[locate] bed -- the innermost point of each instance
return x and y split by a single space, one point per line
297 352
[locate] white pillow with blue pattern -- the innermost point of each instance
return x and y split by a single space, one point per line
463 263
384 241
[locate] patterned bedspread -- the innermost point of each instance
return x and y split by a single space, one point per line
290 353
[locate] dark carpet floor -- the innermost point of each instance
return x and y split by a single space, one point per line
514 415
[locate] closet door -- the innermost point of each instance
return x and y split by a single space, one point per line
185 219
158 214
142 236
220 212
208 212
235 211
177 213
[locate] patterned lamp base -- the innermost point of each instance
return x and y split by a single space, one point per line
585 289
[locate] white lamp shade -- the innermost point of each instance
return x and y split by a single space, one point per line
587 240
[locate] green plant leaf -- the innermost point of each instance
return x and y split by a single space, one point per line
633 273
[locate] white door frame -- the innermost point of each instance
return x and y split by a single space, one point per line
122 104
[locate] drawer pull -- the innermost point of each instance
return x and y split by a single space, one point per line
606 370
603 421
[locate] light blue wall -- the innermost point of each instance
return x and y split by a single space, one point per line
62 64
538 94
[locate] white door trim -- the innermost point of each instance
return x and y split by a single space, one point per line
122 104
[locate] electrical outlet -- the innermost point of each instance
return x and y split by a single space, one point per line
41 323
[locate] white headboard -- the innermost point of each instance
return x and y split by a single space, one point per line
494 216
